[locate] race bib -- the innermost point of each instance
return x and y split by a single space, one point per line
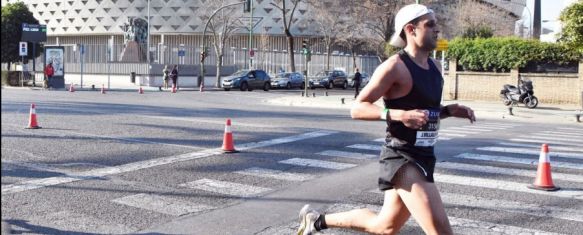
427 135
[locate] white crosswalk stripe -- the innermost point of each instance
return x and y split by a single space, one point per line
228 188
540 141
162 204
558 135
469 129
441 134
457 131
553 138
530 152
353 155
365 147
506 171
527 161
551 147
486 127
317 163
275 174
578 134
571 129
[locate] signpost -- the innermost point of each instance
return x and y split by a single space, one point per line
442 45
23 51
34 33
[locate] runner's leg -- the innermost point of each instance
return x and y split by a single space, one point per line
389 220
422 200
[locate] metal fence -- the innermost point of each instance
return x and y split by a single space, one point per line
96 59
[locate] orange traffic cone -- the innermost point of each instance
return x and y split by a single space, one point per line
102 89
71 88
141 91
544 180
32 124
173 89
228 145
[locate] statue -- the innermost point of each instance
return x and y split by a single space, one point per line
135 40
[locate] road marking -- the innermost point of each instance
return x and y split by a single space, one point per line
540 141
563 133
162 204
486 127
527 161
380 140
457 131
213 121
570 129
317 163
443 138
451 134
553 138
224 187
275 174
498 124
551 147
98 173
557 135
505 185
459 225
530 151
506 171
470 129
365 147
353 155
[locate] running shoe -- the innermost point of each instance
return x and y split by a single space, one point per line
307 218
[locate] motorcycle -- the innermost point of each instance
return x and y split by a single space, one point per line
524 93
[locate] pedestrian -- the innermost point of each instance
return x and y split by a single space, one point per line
357 79
49 72
174 76
166 72
410 84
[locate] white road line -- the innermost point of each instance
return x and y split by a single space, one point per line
505 185
486 127
557 135
96 173
551 147
470 129
575 141
228 188
540 141
450 134
212 121
162 204
458 131
275 174
527 161
365 147
443 138
530 152
500 124
379 140
563 133
459 225
570 129
317 163
506 171
353 155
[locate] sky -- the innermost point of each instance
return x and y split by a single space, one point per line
550 11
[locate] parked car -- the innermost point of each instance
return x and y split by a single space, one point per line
247 80
329 80
288 80
363 79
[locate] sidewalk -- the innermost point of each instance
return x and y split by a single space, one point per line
483 109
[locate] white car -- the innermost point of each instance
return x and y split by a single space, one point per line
364 78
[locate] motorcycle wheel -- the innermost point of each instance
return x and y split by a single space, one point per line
530 102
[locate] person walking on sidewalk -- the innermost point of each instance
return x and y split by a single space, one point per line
410 84
357 79
174 76
49 72
166 76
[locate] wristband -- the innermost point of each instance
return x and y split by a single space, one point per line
385 114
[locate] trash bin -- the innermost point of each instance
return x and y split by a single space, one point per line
133 77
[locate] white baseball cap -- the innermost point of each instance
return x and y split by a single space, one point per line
404 16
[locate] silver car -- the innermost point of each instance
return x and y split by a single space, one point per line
288 80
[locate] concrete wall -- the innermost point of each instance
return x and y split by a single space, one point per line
549 88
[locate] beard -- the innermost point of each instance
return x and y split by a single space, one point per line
429 44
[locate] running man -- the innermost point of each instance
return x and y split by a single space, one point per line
410 84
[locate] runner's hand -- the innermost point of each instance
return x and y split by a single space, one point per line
458 110
415 119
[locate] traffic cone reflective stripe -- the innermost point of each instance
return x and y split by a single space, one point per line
173 89
544 180
32 124
228 145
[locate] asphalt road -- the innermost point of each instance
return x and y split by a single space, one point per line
122 162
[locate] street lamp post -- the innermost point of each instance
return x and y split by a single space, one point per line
148 42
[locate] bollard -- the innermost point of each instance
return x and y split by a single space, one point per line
342 100
159 88
578 116
510 110
92 87
314 94
326 93
302 93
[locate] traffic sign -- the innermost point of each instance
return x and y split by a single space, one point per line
23 49
442 45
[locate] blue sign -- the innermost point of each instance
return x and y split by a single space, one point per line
82 49
23 49
181 53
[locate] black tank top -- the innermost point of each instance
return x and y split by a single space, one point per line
425 94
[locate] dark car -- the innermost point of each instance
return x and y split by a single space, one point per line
288 80
247 80
363 79
329 79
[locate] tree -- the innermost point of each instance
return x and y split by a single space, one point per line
329 21
13 15
222 26
572 19
353 35
288 19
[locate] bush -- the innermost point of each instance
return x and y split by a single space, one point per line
505 53
480 31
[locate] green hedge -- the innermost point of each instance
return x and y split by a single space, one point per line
503 53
